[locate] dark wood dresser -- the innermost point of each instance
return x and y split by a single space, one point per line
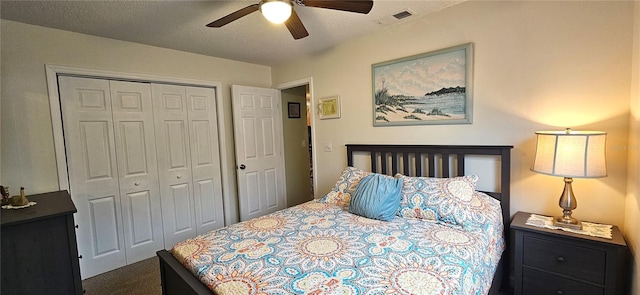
39 250
549 261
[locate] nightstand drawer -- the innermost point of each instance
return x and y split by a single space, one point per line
578 262
541 283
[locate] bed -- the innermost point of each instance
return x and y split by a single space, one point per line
320 247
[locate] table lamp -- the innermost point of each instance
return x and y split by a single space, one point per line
570 154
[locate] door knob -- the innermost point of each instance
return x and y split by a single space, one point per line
242 166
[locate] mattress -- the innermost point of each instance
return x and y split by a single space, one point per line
320 248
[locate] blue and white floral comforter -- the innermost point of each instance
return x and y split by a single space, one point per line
319 248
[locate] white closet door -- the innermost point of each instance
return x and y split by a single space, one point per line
93 173
205 158
137 167
174 164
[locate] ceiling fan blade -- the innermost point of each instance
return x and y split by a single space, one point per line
295 26
234 16
358 6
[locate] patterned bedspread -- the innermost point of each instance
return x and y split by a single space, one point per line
319 248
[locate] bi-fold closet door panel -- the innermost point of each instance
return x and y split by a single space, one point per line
189 163
137 169
110 149
205 159
93 173
172 138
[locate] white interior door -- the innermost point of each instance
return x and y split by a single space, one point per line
257 122
93 173
205 158
174 162
137 169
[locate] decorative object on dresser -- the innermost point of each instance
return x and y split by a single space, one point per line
4 195
16 202
39 249
549 261
570 154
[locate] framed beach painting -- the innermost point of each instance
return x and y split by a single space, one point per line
429 88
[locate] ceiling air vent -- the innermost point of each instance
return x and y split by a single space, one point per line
402 14
394 18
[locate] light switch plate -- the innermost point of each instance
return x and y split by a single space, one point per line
328 147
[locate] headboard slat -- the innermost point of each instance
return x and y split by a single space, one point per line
445 165
394 163
374 161
383 162
432 166
461 167
405 164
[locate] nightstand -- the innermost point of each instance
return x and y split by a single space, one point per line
558 262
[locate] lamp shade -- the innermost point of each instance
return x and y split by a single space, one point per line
276 11
575 154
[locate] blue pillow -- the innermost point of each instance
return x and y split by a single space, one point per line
377 197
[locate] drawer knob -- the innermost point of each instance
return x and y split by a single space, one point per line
559 292
561 260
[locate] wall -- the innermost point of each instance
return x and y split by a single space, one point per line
296 148
632 214
27 139
538 65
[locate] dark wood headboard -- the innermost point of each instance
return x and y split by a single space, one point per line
436 160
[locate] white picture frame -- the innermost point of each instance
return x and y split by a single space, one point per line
329 107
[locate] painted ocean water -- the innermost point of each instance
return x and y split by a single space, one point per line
450 106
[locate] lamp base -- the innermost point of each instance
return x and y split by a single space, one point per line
570 222
567 202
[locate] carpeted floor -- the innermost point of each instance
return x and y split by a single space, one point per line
140 278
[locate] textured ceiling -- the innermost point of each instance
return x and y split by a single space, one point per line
180 25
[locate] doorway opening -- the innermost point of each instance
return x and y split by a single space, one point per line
298 142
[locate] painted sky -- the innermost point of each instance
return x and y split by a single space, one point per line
419 76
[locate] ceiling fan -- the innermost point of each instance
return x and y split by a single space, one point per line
279 11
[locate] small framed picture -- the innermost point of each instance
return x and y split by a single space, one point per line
294 109
329 108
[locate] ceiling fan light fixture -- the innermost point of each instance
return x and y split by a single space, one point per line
276 11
